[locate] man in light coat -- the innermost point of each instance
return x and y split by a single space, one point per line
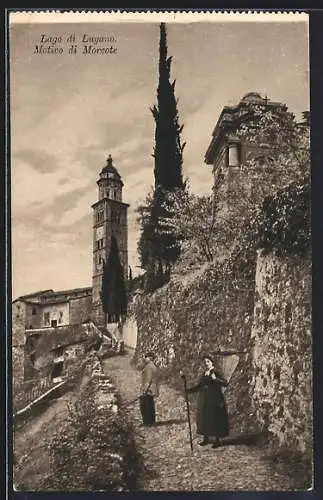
149 389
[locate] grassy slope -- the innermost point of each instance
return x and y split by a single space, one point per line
30 444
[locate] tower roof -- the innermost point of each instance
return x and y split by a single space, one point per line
232 116
109 168
253 97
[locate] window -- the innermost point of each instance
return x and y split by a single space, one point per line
60 318
99 244
46 318
233 154
53 323
34 311
57 370
100 216
59 351
99 260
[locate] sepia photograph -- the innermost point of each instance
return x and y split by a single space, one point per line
161 318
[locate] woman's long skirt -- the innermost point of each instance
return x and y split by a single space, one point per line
211 416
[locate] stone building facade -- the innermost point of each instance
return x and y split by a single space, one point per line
231 154
44 310
49 308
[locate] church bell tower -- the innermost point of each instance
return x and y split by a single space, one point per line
109 219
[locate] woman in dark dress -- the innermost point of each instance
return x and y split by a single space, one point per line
211 417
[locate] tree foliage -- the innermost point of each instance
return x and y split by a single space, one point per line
113 290
285 220
168 145
192 219
95 449
276 209
269 205
159 249
276 129
151 244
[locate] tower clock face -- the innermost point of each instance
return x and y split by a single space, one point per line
99 232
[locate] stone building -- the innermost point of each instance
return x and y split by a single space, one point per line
52 308
229 152
42 311
109 219
45 313
53 352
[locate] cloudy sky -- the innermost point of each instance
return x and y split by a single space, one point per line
68 112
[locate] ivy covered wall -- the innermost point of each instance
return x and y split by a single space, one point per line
259 308
205 312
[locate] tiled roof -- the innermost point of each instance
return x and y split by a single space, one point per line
34 295
48 295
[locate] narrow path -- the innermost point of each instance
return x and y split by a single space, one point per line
170 465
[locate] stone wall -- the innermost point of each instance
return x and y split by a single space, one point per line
18 323
202 313
44 364
97 314
33 317
80 309
68 342
18 342
18 366
69 356
261 311
129 332
72 355
282 352
250 185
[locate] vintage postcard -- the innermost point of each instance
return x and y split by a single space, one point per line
161 332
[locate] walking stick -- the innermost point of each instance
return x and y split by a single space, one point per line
188 410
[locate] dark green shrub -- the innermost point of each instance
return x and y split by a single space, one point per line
285 223
96 449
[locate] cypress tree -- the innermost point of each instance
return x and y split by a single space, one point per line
113 290
168 147
158 248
